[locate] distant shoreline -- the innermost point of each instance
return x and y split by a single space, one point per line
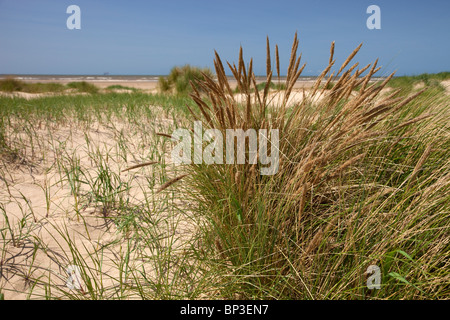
111 77
143 82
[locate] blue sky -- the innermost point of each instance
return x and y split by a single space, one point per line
150 37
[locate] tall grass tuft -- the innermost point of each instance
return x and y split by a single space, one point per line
180 79
363 180
10 85
83 86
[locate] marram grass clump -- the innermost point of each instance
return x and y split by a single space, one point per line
363 180
182 78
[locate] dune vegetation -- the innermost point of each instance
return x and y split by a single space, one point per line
87 182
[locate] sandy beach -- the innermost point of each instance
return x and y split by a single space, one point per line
145 83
